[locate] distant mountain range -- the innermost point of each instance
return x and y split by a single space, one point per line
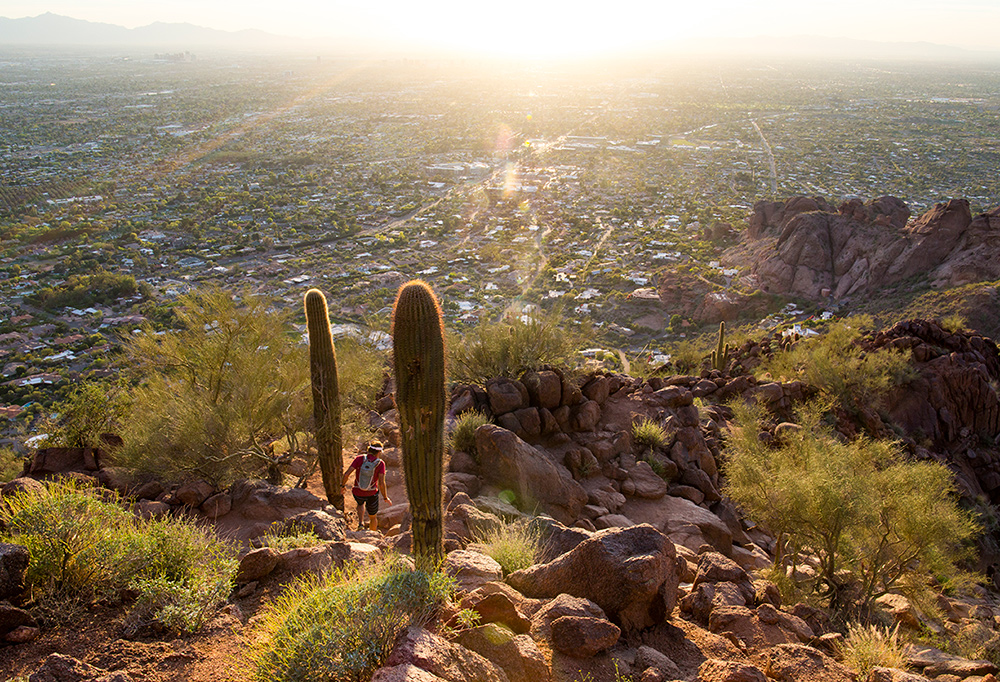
53 29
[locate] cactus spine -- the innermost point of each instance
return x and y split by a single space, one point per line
326 396
418 362
720 356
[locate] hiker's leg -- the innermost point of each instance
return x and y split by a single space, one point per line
373 513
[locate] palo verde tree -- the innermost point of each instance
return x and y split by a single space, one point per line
871 518
213 395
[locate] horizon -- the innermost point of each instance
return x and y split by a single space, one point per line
543 29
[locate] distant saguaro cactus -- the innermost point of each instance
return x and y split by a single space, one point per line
418 362
720 356
326 396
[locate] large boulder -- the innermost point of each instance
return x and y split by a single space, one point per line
714 670
563 605
511 464
631 573
260 504
440 657
506 395
583 636
518 655
686 523
471 570
49 461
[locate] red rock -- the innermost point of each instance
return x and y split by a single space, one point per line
800 663
436 655
509 463
631 573
471 570
194 493
714 670
583 636
517 655
22 634
256 564
506 395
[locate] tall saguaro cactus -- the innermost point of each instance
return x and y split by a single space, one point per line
326 396
418 362
720 356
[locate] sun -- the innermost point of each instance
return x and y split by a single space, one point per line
518 28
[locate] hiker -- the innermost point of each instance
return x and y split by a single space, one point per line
369 479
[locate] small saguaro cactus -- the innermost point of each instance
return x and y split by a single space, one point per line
418 362
720 356
326 396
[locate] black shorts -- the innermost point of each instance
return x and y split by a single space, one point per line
370 502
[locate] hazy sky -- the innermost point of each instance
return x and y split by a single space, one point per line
555 26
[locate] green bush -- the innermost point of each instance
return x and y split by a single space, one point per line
341 626
361 370
686 356
80 291
514 545
84 548
867 647
510 347
212 396
858 506
648 433
11 464
91 409
284 539
835 365
463 436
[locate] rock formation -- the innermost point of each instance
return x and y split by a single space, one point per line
802 247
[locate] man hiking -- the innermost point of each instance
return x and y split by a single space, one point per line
369 480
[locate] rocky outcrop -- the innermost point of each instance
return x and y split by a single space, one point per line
511 464
631 573
804 248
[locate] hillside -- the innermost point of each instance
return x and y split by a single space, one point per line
647 568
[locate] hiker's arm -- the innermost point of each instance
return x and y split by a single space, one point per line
383 488
347 474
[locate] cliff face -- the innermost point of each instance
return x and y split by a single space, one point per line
802 247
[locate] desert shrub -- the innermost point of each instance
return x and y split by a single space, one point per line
214 394
955 322
514 545
686 355
855 505
84 546
11 464
361 373
871 646
649 433
91 409
835 365
511 346
463 435
342 625
290 537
